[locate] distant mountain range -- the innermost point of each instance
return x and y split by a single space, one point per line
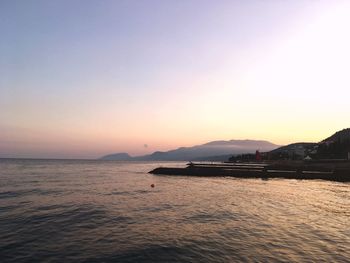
335 146
211 151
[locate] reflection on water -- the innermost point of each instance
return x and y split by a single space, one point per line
86 211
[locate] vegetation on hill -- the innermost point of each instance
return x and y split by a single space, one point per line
336 146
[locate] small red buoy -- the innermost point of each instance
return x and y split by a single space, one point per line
152 185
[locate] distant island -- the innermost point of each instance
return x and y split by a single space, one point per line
211 151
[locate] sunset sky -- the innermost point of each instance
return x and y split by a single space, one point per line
80 79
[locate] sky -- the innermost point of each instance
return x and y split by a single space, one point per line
81 79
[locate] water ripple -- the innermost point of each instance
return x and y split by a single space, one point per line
94 211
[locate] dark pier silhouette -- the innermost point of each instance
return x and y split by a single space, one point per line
325 170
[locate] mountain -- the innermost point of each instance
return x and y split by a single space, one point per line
117 157
294 147
336 146
203 152
340 136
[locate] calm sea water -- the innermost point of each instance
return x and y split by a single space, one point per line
98 211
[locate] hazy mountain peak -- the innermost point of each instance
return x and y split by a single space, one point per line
117 157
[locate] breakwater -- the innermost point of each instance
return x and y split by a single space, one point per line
334 171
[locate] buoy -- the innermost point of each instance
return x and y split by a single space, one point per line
152 185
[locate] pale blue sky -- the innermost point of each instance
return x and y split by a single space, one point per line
83 78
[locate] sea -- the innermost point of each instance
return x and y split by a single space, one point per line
107 211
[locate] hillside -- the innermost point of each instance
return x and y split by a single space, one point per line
340 136
294 147
336 146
